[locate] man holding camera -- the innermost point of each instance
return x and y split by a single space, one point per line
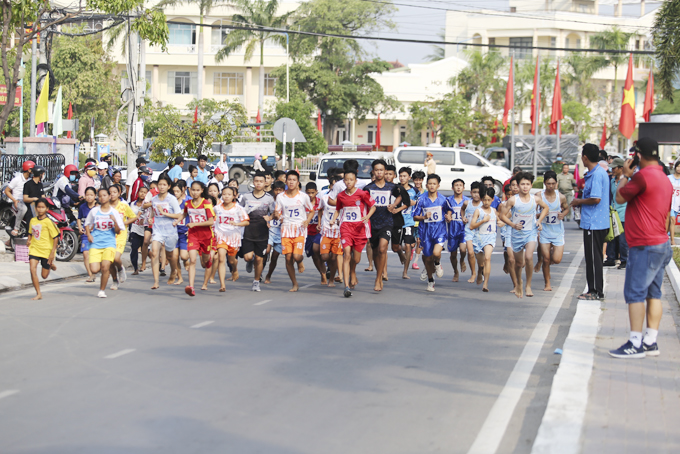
648 193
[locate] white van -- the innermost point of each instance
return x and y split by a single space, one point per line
338 158
452 163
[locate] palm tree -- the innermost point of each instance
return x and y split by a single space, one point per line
577 73
204 8
480 81
438 52
666 34
612 39
260 15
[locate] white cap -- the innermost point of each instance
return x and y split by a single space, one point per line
102 166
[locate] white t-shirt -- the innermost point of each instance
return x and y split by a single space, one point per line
326 229
340 186
675 204
293 212
131 178
224 232
219 183
17 186
223 166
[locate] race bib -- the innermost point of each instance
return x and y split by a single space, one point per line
103 223
488 227
676 198
225 219
197 215
455 215
36 230
161 208
523 219
552 218
382 198
351 214
274 223
436 215
315 219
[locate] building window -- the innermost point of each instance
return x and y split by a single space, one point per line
182 82
149 83
578 43
553 41
402 134
182 34
371 134
521 47
269 82
637 44
228 84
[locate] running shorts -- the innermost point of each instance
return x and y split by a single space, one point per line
258 247
310 242
293 245
378 234
331 245
358 243
100 255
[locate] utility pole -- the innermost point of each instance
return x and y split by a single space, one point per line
34 82
537 112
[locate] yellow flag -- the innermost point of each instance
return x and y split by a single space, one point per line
41 113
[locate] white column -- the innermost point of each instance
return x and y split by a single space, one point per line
395 134
155 84
248 91
534 52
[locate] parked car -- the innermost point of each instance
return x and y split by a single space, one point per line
452 163
338 158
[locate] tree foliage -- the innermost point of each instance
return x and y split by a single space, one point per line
577 119
666 38
178 137
85 72
450 117
301 111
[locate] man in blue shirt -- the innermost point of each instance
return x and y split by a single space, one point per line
175 173
203 171
594 219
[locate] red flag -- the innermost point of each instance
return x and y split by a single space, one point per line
649 97
603 140
68 117
259 120
377 134
556 104
509 97
196 115
627 120
577 178
318 121
535 100
494 131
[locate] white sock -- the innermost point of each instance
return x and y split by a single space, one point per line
650 336
417 258
636 338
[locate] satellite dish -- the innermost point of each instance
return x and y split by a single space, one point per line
292 129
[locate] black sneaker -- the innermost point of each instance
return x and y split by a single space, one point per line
249 266
622 266
651 350
347 292
162 272
609 263
328 274
628 350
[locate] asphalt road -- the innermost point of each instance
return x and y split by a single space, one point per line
403 371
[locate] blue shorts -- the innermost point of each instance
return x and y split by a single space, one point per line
644 272
275 242
519 243
674 214
469 234
84 243
456 240
169 241
310 242
555 241
428 244
182 241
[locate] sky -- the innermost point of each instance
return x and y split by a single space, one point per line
419 23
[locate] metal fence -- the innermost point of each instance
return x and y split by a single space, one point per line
11 163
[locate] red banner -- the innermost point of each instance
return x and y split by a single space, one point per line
3 96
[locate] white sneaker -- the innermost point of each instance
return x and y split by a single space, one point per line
256 286
440 270
430 286
122 275
423 275
101 294
114 286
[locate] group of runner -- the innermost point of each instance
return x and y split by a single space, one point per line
202 224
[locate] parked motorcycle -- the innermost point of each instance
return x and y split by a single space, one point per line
67 247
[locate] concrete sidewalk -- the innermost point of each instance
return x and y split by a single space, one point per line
633 404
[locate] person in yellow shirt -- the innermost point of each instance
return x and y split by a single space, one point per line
43 237
118 273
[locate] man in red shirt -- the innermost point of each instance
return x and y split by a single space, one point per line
648 194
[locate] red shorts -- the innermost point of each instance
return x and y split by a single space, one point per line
358 243
201 242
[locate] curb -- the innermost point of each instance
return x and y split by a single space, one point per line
674 276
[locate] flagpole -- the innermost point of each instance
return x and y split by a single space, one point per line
512 124
559 122
537 111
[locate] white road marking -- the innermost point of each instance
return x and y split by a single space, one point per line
261 303
120 353
202 324
491 434
308 285
9 392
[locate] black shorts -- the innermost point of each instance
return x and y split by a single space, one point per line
248 246
42 260
378 234
148 229
406 236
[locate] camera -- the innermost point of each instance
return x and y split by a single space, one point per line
636 161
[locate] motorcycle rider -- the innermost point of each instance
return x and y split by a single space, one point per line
64 192
33 188
15 192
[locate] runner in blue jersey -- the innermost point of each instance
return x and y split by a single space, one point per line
506 235
468 209
484 222
525 229
456 230
488 182
431 210
551 241
408 236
